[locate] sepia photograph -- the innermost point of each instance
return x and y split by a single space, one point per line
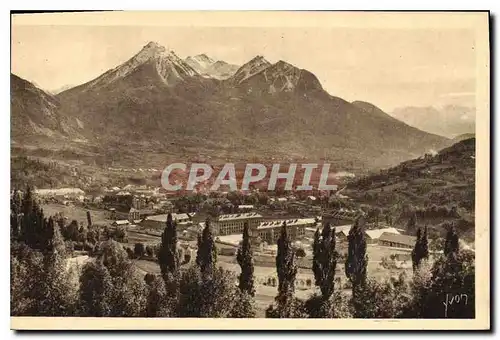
250 170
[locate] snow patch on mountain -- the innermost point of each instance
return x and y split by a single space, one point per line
209 68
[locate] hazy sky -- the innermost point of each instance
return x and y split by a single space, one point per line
387 67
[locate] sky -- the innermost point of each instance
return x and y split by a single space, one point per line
390 68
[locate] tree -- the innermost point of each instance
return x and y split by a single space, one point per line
300 253
95 290
206 297
245 260
25 264
386 299
71 232
421 249
89 219
56 293
336 307
159 303
412 223
451 244
168 257
325 260
139 250
206 256
127 297
356 261
453 277
286 269
244 306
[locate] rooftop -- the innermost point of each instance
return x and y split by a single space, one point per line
398 238
289 223
231 239
376 233
121 222
60 191
163 217
245 206
230 217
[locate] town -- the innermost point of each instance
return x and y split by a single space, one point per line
139 213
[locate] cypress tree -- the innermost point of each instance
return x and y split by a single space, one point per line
287 271
357 260
325 261
245 260
412 223
168 257
421 248
15 214
206 256
451 243
89 219
425 244
199 243
316 254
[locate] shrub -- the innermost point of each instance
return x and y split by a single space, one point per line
139 250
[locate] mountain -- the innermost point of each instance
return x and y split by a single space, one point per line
154 61
156 107
449 121
35 113
210 68
260 76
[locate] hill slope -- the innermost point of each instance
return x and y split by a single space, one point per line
441 187
35 113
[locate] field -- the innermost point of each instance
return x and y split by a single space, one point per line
77 213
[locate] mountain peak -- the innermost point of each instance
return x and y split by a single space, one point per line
251 68
152 50
204 58
167 64
153 45
284 63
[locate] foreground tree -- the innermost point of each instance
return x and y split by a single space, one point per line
421 249
25 264
126 291
206 297
56 290
159 302
451 244
95 290
287 306
168 255
245 260
324 265
356 262
206 256
411 226
450 278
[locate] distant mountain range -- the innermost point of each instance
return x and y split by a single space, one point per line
210 68
158 103
449 121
